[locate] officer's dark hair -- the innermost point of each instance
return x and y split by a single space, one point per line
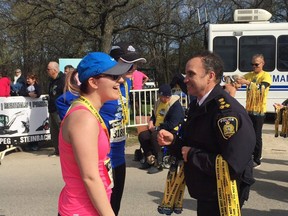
211 62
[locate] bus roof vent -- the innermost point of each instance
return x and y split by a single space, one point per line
251 15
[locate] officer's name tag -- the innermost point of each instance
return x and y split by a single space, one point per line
117 131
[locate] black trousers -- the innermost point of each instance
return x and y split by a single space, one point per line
148 142
54 121
119 174
258 122
208 208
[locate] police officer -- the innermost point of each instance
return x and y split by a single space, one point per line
217 125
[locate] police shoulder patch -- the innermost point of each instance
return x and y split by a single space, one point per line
228 126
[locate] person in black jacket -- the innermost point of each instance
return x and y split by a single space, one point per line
56 88
216 126
167 114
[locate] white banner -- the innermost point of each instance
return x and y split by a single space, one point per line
23 119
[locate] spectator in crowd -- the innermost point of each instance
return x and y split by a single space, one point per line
138 81
84 138
167 114
115 113
4 85
56 88
138 78
68 69
217 135
64 101
31 89
258 83
18 82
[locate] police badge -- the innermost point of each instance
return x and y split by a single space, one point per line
228 126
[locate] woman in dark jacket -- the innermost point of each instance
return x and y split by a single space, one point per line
31 87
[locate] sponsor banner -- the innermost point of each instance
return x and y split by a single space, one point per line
23 119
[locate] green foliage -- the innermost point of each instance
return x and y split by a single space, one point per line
34 32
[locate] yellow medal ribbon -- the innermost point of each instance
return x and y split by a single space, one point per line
125 105
228 199
255 98
88 104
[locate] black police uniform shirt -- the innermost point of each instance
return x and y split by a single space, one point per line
219 126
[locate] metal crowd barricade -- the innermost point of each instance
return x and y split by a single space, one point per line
142 103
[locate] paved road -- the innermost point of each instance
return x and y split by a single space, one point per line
30 184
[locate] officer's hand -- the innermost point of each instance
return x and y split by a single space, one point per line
164 137
185 150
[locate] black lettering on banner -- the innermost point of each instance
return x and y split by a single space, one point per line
15 105
5 141
40 104
24 139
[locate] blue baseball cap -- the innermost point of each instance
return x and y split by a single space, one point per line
96 63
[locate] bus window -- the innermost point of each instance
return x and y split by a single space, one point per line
251 45
226 48
282 63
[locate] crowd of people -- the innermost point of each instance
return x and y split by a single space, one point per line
93 99
20 86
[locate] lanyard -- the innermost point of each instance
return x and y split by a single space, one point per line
87 104
228 200
123 105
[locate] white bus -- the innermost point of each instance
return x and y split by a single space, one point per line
236 44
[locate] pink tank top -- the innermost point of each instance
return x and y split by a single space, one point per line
74 199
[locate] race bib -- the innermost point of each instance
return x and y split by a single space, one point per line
117 131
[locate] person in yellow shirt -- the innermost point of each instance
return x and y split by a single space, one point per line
167 114
258 83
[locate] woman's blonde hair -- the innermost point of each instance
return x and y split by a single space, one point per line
71 83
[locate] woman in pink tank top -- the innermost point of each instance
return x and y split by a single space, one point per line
83 138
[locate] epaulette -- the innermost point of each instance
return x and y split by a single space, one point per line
222 103
227 123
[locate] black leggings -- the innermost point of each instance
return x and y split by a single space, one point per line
119 174
258 122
